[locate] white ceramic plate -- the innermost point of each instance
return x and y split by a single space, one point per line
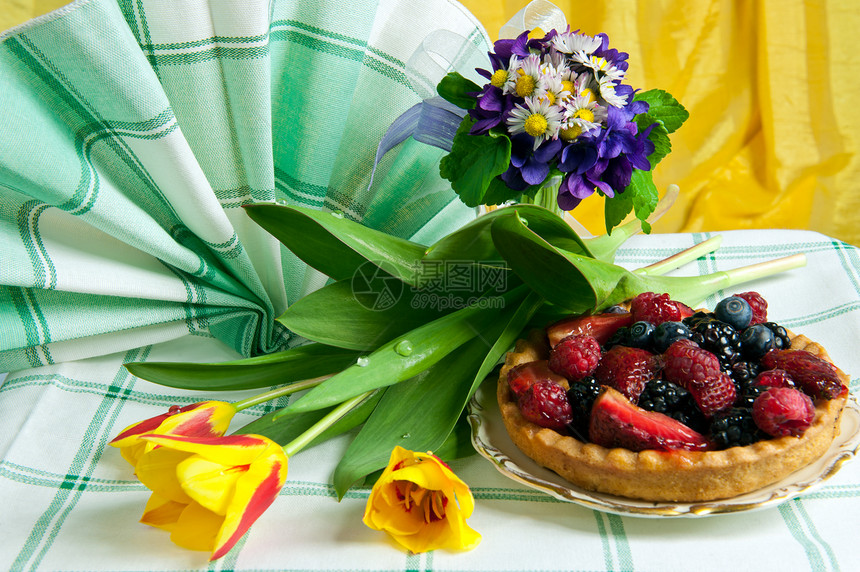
491 440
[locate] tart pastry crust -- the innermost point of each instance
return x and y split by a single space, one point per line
679 476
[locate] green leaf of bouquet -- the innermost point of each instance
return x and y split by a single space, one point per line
335 245
541 265
616 209
474 161
296 364
363 315
658 135
407 355
474 240
456 89
664 107
499 193
645 196
286 429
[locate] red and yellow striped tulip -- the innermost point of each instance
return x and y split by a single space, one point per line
421 504
208 491
203 419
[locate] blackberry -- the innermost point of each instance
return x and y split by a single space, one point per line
747 397
735 428
692 321
581 396
744 373
720 339
673 400
782 341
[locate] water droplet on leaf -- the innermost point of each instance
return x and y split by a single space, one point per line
404 348
337 214
362 362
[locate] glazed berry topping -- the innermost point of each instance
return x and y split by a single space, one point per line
758 305
523 376
581 396
756 341
685 362
545 404
668 333
615 422
734 428
774 378
815 376
575 357
673 400
714 394
601 326
627 370
734 311
782 342
781 411
658 308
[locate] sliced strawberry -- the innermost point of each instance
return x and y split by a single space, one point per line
523 376
601 326
815 376
615 422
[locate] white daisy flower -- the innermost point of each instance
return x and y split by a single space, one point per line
552 88
607 93
538 118
524 80
600 66
570 43
581 114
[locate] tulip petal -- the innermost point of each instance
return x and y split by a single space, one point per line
196 528
228 450
208 483
161 512
157 471
208 419
393 519
256 490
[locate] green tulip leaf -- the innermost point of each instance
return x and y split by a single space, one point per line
334 245
458 90
296 364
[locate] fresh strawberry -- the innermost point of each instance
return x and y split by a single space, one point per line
815 376
627 370
658 308
523 376
615 422
575 357
600 326
545 404
758 305
781 411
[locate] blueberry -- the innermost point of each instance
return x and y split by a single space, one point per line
668 333
616 309
734 311
757 340
641 335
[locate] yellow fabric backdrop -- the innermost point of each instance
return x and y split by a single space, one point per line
772 87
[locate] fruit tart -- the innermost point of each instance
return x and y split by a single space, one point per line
654 401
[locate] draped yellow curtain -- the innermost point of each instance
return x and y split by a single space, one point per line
774 130
771 86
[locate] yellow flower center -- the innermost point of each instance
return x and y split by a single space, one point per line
567 86
535 124
589 94
584 113
430 504
570 134
525 85
499 78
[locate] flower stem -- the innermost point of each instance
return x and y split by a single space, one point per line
279 392
681 258
320 426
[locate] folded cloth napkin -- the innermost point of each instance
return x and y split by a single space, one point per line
133 133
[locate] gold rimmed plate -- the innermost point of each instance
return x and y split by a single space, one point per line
491 440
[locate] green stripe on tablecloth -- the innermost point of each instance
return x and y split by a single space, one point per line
95 438
797 525
40 478
850 262
27 219
604 540
613 538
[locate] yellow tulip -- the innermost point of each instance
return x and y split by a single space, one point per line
421 504
208 491
203 419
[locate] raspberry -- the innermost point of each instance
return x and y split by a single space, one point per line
774 378
575 357
714 394
545 404
758 305
781 411
658 308
627 370
685 362
816 377
523 376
